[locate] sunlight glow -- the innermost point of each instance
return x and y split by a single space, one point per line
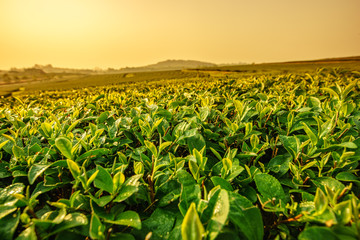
118 33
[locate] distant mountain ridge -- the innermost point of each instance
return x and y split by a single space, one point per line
181 64
50 69
166 65
171 65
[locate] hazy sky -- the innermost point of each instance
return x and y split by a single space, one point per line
119 33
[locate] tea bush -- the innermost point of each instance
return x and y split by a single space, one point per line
269 156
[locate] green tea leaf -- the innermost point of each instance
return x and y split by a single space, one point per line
47 129
35 171
320 201
4 170
160 223
74 168
8 225
348 89
3 144
194 169
219 215
103 116
216 154
18 152
96 228
72 126
70 221
311 134
118 180
222 183
269 187
331 183
344 211
93 153
6 194
197 141
291 144
102 201
315 233
190 191
347 177
103 180
163 146
151 147
65 146
192 228
331 92
9 138
246 217
92 178
128 218
28 234
125 192
280 164
350 145
42 188
5 210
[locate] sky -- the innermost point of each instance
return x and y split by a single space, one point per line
121 33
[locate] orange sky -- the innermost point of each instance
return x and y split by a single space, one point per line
119 33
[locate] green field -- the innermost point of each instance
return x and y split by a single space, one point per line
268 151
60 81
33 80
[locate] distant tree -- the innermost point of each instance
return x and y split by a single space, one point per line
16 79
7 78
14 70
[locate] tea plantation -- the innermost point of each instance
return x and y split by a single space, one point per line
221 156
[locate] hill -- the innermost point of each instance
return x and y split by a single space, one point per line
167 65
350 63
50 69
170 65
